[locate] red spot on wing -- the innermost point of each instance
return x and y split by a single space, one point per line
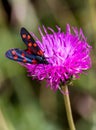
13 52
34 62
40 52
29 51
30 44
23 54
24 60
28 37
15 57
23 35
34 44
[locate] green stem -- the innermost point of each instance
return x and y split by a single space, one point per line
68 107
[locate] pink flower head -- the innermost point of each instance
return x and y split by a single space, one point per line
67 55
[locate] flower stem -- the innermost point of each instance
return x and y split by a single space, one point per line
68 107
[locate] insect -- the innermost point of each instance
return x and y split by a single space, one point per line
33 54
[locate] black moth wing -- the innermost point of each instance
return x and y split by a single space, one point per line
21 56
30 42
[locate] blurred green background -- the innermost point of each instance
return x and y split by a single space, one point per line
27 104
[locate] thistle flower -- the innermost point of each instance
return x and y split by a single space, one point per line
67 55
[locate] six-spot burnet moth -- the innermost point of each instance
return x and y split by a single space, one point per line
33 54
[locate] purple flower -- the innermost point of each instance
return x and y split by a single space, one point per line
67 55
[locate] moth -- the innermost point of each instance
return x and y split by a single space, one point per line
33 54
